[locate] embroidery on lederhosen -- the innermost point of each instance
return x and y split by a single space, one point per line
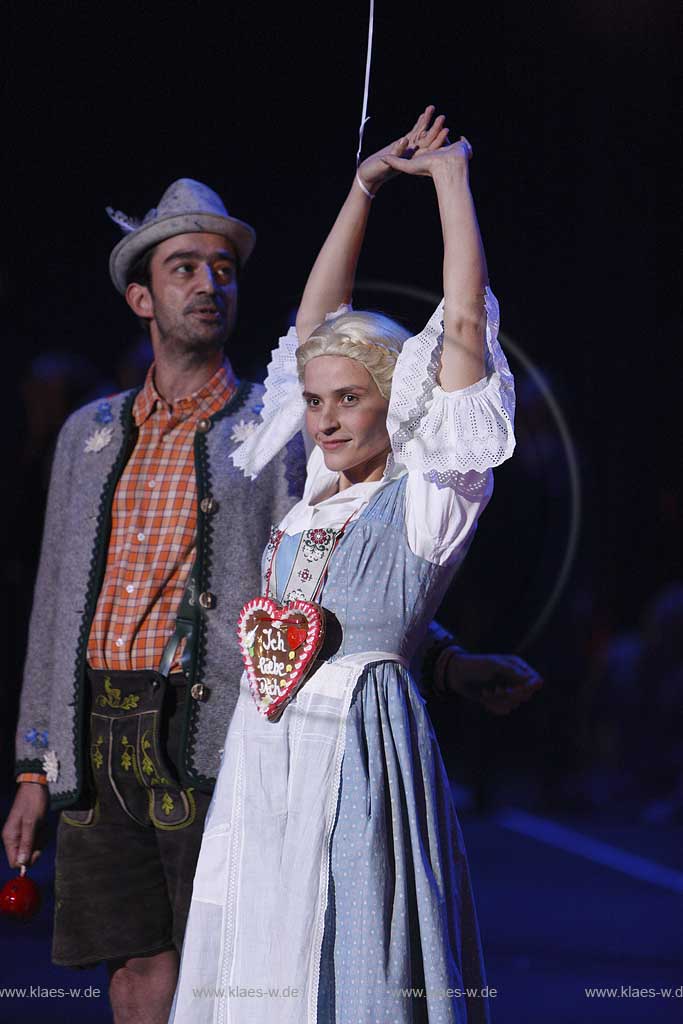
127 761
111 697
142 783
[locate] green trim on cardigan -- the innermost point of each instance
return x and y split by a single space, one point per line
188 775
97 566
28 765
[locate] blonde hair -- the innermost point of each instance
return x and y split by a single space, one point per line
372 339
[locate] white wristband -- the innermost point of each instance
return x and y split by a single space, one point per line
362 187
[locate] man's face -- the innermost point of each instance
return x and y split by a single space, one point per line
192 298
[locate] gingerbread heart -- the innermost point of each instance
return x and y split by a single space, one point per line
279 643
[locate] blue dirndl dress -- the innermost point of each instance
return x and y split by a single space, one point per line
333 864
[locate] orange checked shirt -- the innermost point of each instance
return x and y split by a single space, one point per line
153 530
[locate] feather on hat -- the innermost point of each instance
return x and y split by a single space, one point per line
186 206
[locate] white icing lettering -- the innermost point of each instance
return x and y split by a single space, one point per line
271 642
270 666
268 687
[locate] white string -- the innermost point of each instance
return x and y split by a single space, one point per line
368 60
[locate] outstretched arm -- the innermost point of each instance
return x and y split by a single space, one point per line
331 280
499 682
464 268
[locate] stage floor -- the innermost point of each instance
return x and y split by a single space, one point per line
564 906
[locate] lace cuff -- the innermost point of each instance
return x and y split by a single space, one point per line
283 411
444 434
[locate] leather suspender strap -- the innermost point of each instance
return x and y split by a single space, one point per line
185 628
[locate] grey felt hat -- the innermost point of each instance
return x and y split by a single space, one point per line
185 206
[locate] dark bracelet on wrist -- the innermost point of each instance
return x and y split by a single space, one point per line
431 658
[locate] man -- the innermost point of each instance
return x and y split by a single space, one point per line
152 544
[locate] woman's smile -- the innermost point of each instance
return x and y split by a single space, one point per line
346 416
332 444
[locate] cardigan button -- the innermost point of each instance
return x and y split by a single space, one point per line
203 425
207 599
209 506
199 692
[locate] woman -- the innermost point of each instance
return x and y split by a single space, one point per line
333 874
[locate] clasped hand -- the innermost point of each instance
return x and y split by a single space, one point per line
425 147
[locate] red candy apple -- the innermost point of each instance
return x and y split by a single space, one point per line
20 897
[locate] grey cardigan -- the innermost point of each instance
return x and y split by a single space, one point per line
230 540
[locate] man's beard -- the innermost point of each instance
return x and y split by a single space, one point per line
195 346
180 338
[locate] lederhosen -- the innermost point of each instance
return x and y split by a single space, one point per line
123 884
134 722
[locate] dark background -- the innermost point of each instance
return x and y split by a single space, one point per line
570 108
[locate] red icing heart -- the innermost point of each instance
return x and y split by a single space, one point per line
278 644
296 636
20 898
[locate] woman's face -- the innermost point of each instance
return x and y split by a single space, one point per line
346 416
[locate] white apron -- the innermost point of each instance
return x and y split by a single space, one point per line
253 942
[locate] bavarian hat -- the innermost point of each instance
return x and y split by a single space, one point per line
185 206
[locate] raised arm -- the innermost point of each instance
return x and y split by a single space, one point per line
464 268
330 282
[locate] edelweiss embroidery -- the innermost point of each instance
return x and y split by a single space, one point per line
99 439
51 765
242 430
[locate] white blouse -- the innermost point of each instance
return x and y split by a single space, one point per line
447 442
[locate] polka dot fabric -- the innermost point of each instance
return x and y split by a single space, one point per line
401 912
404 914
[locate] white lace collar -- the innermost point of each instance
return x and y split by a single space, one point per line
335 510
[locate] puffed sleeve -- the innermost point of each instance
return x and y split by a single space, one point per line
446 433
284 409
449 441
